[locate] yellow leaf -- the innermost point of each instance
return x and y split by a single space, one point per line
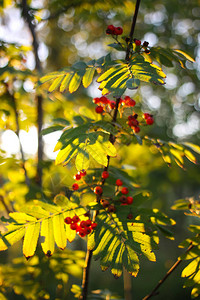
30 239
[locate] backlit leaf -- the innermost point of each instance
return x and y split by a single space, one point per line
30 239
47 236
59 231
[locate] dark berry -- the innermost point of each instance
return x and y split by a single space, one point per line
111 208
123 199
146 115
83 224
145 44
88 223
130 216
82 233
87 230
133 122
105 203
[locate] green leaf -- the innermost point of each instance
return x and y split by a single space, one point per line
52 129
47 237
88 76
30 239
132 83
59 231
117 46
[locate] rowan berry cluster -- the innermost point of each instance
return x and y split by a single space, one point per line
134 123
111 29
102 102
123 199
144 45
82 228
77 177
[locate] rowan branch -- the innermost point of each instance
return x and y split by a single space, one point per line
112 139
169 272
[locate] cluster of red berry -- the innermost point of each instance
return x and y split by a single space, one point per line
125 200
134 123
104 102
144 45
83 228
111 29
78 176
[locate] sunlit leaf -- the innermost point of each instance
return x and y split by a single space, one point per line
47 236
30 239
59 231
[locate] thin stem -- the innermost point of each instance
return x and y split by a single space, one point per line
8 210
27 180
169 272
26 13
112 139
132 28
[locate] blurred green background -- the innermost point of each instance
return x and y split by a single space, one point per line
69 31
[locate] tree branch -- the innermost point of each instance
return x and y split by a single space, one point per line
112 139
29 18
27 180
169 272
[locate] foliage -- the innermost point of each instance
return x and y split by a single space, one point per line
91 142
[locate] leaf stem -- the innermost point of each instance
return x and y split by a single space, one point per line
169 272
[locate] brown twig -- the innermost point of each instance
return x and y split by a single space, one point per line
169 272
8 210
26 13
112 138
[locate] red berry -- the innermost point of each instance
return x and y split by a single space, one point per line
111 208
146 115
96 100
110 29
68 220
124 190
82 233
129 102
119 182
133 123
98 190
87 230
77 176
105 175
99 109
83 173
136 129
94 225
129 200
132 117
75 219
137 42
149 121
88 223
73 226
112 104
75 187
118 30
104 100
83 224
